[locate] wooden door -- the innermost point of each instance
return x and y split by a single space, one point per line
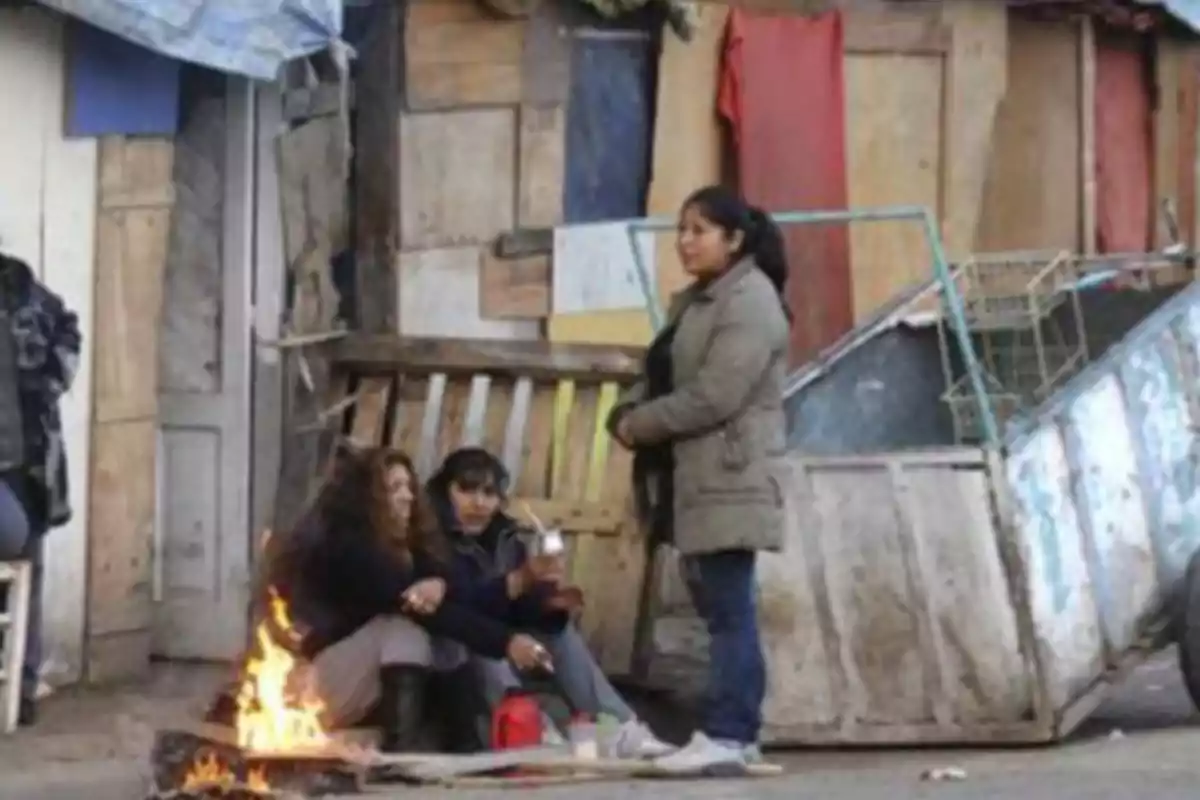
894 153
202 530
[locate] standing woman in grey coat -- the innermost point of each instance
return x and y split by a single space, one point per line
706 425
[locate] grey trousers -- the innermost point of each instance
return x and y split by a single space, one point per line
577 676
346 674
19 540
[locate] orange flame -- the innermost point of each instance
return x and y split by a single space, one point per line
273 714
207 772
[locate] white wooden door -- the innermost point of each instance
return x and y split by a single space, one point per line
202 533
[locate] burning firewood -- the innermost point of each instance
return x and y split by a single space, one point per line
208 760
276 746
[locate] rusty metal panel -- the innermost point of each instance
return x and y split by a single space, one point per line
888 617
1106 500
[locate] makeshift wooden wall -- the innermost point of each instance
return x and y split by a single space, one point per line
481 153
47 208
135 198
687 154
922 89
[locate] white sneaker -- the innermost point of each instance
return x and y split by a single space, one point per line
754 754
634 740
705 756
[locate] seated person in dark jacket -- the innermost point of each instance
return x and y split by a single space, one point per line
492 567
366 583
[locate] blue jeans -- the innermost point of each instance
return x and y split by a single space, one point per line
21 537
723 591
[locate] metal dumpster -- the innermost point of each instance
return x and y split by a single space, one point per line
938 593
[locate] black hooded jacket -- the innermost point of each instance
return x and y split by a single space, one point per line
343 579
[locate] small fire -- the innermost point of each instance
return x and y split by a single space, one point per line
274 715
256 781
208 772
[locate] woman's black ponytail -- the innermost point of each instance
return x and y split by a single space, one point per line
762 238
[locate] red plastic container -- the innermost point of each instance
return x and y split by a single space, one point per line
517 721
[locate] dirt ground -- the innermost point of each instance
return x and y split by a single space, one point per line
1143 742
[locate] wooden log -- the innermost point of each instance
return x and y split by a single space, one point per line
177 752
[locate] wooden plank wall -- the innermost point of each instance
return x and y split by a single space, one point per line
688 146
132 224
481 153
1033 198
47 208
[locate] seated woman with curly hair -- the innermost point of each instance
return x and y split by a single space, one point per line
364 577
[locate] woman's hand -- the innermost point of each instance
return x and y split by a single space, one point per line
547 569
425 596
527 653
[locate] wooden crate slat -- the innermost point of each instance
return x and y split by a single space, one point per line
370 411
574 425
601 518
411 402
498 414
611 628
452 417
538 442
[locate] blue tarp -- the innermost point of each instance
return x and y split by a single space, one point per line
245 37
1186 11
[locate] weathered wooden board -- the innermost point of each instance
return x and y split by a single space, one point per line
176 753
312 203
379 88
541 165
1032 196
514 288
440 295
976 76
458 55
894 153
136 190
444 199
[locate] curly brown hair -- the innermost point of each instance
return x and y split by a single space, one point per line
354 500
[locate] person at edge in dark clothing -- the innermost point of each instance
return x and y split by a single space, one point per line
365 576
707 428
39 357
493 567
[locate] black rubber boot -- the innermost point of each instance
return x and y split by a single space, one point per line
455 705
401 708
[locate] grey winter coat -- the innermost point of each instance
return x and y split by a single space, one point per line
724 418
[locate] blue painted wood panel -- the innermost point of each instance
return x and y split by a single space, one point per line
610 122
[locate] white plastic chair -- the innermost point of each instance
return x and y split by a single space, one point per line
15 579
